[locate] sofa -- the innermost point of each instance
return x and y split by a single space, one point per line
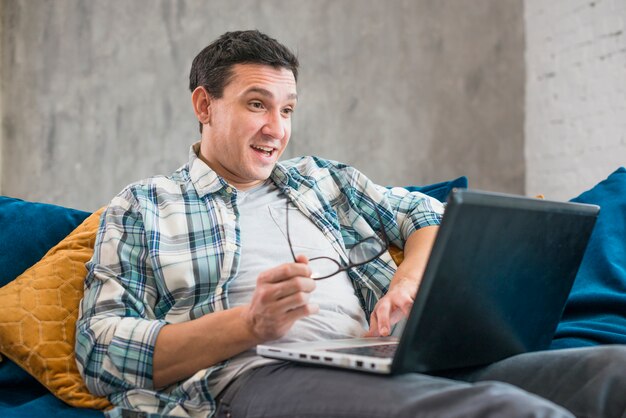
43 249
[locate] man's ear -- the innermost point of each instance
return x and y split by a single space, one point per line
201 101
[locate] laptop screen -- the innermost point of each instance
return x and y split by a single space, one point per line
496 282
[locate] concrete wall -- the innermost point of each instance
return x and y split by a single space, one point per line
575 95
411 92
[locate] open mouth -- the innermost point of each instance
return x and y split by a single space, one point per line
267 151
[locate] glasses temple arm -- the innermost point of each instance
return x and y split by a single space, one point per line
288 235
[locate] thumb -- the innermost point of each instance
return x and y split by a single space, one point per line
301 258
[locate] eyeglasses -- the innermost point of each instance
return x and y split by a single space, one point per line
361 253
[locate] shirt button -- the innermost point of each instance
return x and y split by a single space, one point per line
229 190
219 291
231 247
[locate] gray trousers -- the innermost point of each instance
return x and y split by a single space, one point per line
589 382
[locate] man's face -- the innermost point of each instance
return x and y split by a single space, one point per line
249 127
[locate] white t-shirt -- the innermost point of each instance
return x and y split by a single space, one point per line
264 245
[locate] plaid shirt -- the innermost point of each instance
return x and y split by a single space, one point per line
168 247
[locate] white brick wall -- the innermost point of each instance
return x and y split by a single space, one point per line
575 94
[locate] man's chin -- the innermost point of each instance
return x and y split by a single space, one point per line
260 176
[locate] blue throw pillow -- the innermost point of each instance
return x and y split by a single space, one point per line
28 230
596 309
440 191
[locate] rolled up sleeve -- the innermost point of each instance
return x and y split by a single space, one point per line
117 329
413 211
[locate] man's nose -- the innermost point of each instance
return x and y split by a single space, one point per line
275 125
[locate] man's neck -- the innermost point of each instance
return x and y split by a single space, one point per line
227 176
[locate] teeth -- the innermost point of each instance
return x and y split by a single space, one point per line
265 149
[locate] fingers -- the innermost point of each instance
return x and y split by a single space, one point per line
286 296
289 284
396 316
389 310
373 331
306 310
301 258
272 292
405 303
286 271
383 310
281 298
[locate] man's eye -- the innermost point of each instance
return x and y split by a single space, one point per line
256 105
287 111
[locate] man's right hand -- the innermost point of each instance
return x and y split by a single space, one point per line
280 299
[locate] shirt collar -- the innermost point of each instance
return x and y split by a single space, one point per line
280 176
203 178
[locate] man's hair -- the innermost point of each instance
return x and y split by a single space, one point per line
212 67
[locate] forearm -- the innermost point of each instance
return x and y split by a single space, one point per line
416 252
279 299
183 349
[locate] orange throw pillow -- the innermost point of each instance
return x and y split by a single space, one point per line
39 312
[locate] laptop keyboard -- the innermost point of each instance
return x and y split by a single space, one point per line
382 350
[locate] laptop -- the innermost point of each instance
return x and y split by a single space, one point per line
495 285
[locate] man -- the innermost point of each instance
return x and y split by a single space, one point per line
190 272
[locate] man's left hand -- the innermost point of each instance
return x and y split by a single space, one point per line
397 303
392 308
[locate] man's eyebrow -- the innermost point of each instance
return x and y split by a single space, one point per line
269 94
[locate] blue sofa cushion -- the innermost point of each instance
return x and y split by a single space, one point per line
440 191
596 309
22 396
28 230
